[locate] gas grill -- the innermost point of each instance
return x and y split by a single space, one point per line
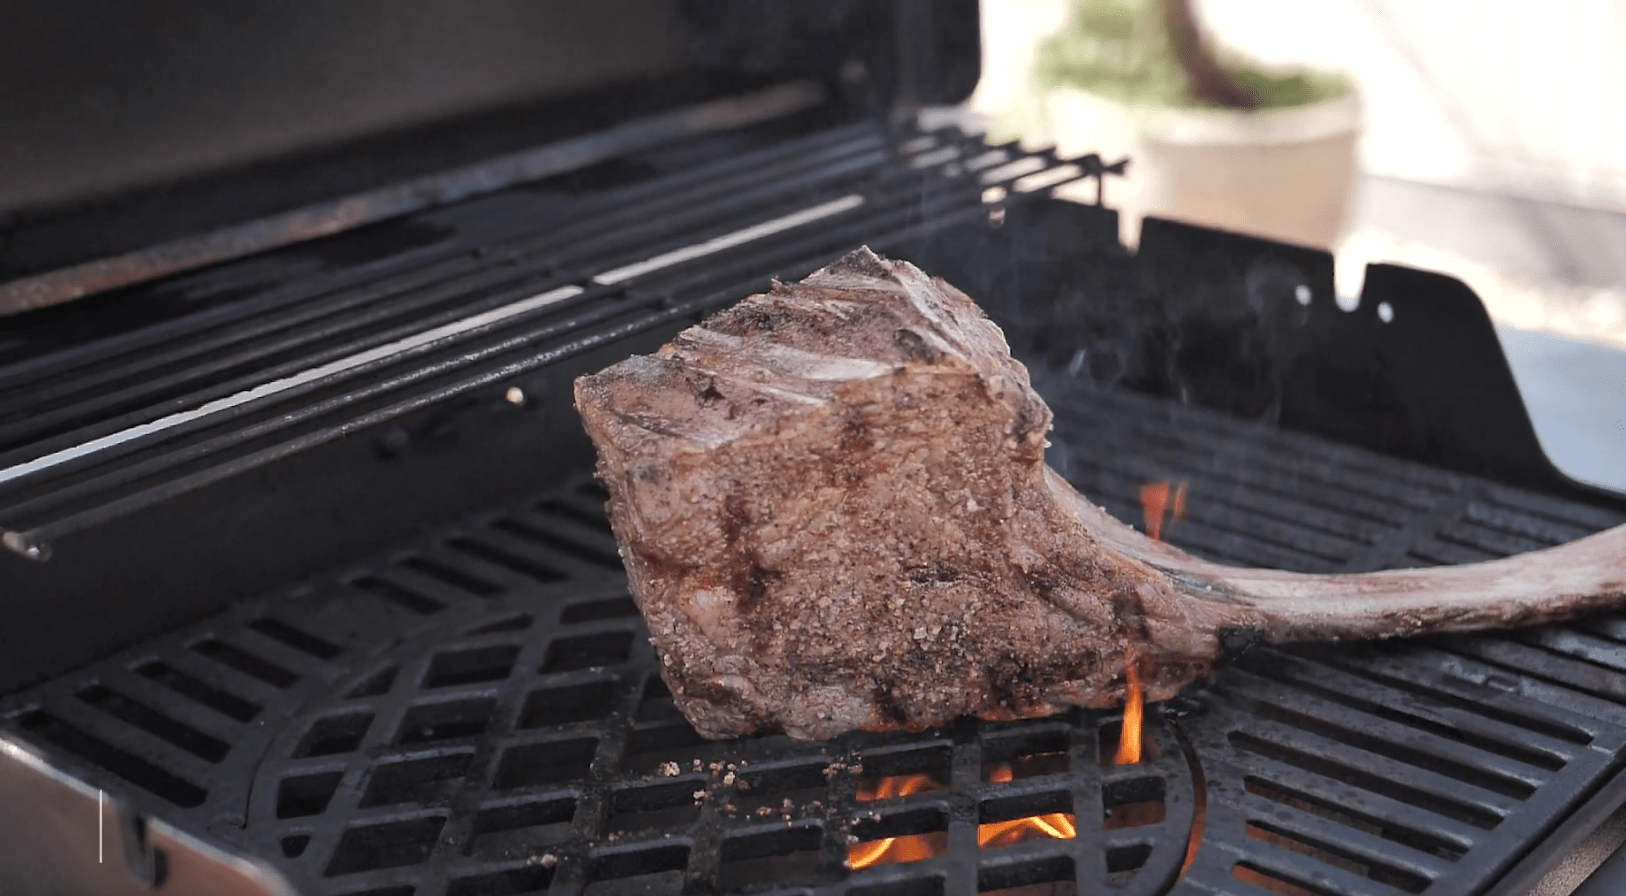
310 590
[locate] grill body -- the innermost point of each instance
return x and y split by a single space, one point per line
308 588
446 714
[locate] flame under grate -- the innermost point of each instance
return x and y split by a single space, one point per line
585 770
478 713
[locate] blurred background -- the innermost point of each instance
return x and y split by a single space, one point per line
1484 139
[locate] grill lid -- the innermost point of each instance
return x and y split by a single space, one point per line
141 145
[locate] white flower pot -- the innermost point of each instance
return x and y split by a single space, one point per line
1282 173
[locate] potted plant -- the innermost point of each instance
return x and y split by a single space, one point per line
1213 138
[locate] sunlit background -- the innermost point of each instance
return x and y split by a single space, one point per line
1491 145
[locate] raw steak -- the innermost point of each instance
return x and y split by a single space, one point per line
835 513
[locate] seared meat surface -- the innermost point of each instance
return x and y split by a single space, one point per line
835 513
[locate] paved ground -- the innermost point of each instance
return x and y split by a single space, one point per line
1576 394
1437 189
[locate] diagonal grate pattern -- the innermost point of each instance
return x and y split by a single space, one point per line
440 721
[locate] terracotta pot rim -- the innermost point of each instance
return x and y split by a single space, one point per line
1337 116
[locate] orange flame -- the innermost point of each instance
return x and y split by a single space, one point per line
1134 709
903 848
915 847
896 785
1162 501
892 850
1159 501
1056 825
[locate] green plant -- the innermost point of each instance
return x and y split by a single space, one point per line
1152 52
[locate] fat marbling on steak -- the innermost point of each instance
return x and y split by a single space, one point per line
835 513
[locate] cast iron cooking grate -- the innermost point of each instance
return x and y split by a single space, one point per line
477 712
560 759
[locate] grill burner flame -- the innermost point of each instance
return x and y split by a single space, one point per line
1162 501
915 847
1058 825
1134 711
904 848
1159 501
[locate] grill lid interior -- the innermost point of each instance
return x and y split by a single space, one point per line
141 145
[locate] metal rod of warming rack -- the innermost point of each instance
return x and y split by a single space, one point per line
347 213
597 235
317 309
591 241
1094 167
895 218
375 327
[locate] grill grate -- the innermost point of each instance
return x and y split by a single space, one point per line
477 712
500 287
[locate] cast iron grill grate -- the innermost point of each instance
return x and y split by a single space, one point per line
476 712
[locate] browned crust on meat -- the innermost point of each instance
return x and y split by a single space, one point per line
825 541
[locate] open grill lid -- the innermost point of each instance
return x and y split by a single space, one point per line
139 145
